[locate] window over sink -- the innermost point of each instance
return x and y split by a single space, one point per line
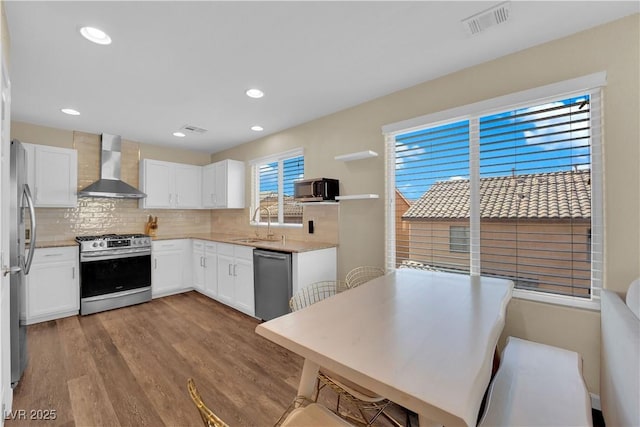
272 189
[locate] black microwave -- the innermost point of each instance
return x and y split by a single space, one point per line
316 190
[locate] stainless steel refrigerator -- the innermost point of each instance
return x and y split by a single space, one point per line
21 205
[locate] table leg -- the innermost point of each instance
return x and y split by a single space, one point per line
308 379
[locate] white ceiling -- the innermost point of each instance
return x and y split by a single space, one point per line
174 63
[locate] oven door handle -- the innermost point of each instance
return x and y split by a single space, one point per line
101 257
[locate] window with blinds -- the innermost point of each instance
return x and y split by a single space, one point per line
508 193
274 179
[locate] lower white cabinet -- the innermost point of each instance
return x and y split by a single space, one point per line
52 285
235 277
313 266
171 267
205 267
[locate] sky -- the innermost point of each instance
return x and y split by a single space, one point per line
545 138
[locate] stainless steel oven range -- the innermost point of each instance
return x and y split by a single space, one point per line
115 271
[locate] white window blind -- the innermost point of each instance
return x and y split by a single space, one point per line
519 186
274 177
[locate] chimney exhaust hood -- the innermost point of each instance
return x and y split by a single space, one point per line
109 184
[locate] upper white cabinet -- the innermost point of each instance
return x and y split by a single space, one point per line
170 185
52 175
223 185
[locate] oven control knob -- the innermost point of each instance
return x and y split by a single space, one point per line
95 244
103 244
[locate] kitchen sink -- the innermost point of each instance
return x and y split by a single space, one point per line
253 240
247 240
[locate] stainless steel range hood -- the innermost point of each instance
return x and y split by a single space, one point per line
109 184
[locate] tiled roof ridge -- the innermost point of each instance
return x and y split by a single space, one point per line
561 194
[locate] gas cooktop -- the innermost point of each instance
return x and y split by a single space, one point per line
109 237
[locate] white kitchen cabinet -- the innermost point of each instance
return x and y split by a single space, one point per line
170 185
205 267
52 175
235 277
52 286
313 266
223 185
171 267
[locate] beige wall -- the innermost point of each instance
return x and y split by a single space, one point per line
614 48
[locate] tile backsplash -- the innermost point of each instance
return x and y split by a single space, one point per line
97 215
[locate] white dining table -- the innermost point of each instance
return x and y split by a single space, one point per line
424 340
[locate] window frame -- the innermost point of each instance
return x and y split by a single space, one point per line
591 84
280 158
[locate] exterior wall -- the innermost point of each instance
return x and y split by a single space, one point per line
554 252
402 229
614 48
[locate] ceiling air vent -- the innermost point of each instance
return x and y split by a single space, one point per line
193 129
487 18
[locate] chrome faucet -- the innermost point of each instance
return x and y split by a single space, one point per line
255 214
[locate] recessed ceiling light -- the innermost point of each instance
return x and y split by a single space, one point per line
257 128
95 35
179 134
70 111
254 93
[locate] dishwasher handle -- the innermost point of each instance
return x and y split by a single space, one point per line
272 255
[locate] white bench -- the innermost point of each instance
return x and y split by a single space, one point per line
620 357
537 385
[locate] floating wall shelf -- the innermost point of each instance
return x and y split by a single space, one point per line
358 197
357 156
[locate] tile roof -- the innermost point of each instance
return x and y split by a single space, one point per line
541 195
292 208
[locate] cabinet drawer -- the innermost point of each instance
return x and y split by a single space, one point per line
55 254
244 252
198 244
168 245
211 247
225 249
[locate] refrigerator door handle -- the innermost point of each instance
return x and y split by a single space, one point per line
11 270
32 217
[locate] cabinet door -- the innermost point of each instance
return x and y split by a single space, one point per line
188 182
167 274
211 270
221 184
156 179
209 186
52 288
226 280
56 177
244 293
197 261
234 177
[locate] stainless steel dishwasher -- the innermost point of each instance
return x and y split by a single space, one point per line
272 282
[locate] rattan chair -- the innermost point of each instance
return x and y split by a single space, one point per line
360 275
315 292
369 405
301 412
208 417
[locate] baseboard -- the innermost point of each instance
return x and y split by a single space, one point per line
595 401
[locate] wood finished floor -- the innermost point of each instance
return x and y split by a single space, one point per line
129 367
